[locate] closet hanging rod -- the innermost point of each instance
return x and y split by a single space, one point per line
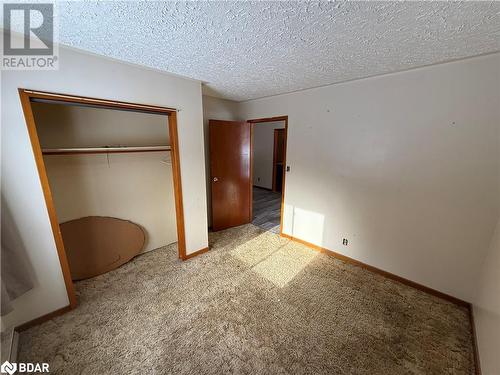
103 150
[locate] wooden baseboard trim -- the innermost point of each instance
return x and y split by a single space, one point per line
389 275
196 253
43 318
475 346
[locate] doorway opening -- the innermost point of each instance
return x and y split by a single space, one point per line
268 164
245 164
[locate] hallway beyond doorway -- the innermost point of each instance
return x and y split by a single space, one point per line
266 209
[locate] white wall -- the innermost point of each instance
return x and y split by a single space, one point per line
89 75
215 109
263 152
136 187
403 165
487 308
61 125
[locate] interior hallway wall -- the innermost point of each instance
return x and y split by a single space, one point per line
215 109
263 152
92 76
131 186
405 166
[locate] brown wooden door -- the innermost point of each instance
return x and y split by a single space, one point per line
230 173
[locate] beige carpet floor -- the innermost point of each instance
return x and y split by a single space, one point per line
254 304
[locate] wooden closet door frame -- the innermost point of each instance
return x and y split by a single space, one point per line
26 97
271 119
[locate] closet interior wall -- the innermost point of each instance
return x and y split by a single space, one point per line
134 186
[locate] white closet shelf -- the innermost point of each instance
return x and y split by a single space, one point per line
103 150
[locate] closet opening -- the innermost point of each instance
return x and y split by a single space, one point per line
110 176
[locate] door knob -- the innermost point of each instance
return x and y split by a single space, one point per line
216 179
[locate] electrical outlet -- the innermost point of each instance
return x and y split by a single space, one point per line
345 241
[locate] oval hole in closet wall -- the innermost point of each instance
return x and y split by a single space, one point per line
96 245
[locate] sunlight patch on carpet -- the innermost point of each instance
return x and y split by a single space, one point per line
273 258
258 248
283 265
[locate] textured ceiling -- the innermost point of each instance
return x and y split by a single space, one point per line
245 50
